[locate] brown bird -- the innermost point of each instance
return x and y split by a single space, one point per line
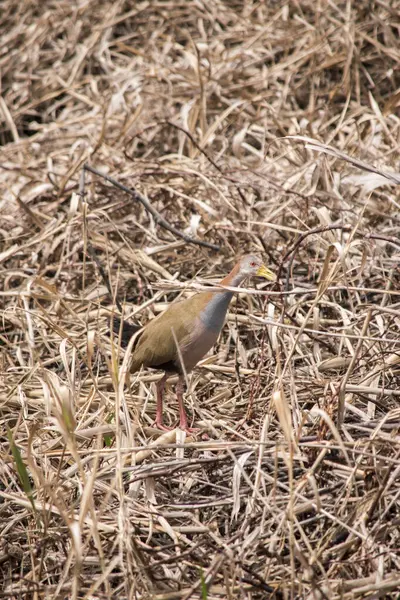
193 325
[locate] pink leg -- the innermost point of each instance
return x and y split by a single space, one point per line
183 423
160 386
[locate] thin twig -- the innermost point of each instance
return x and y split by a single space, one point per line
150 209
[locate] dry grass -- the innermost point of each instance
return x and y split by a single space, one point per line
191 102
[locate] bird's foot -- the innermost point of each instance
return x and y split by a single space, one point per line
160 425
183 426
190 429
195 431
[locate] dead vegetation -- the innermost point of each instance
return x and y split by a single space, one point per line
191 103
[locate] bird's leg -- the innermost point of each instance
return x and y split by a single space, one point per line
160 386
183 423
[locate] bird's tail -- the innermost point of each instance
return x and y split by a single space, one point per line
127 329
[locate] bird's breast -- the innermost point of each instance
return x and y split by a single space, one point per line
200 341
214 312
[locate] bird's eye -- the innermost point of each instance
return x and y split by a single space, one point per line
253 264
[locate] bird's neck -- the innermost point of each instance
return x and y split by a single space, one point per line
213 315
234 278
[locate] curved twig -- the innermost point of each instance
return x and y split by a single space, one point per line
155 214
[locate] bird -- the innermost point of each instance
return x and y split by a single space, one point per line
179 337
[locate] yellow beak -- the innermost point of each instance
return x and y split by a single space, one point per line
266 273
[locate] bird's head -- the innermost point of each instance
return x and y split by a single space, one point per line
250 266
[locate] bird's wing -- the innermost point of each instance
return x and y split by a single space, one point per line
157 346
